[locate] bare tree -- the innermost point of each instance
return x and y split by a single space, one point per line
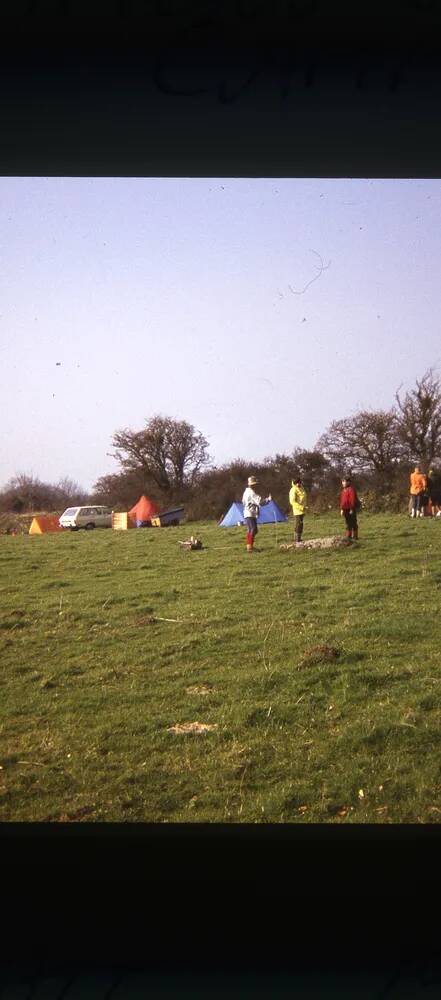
365 442
169 452
67 492
24 493
419 420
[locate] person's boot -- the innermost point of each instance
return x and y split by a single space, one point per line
355 534
298 537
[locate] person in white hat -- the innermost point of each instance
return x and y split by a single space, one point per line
252 503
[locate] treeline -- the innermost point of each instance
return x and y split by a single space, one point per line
26 493
169 460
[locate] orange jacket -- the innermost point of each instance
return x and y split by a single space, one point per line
417 483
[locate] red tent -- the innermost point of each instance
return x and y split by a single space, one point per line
143 511
44 522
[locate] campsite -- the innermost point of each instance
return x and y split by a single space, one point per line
195 624
140 683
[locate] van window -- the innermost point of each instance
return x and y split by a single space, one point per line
70 512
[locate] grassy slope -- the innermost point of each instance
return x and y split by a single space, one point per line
89 684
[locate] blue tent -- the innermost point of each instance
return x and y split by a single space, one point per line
233 516
269 513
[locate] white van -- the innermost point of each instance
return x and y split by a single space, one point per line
86 517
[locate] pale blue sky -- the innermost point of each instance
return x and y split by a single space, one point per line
124 298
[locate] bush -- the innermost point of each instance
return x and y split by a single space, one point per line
375 502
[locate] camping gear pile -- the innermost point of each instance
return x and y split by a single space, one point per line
168 518
121 521
192 543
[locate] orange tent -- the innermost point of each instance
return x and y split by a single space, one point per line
143 511
43 523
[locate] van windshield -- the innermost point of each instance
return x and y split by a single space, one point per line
70 512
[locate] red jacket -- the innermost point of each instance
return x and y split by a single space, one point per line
348 498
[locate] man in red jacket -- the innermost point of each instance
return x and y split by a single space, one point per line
349 504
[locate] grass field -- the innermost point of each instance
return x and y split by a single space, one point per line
109 639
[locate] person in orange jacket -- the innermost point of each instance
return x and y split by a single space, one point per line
417 490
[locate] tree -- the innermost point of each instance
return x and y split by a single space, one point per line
28 493
169 452
312 466
67 493
367 442
419 420
25 493
122 489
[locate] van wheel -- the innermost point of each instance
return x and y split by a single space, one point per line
74 527
89 526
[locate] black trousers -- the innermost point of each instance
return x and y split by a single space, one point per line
351 520
298 525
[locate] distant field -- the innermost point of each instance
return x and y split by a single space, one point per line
93 676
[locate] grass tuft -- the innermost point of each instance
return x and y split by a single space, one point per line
319 654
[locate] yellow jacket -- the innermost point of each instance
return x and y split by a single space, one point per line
297 499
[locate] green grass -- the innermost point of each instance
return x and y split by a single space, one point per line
91 680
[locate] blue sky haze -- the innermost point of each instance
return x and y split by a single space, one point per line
259 310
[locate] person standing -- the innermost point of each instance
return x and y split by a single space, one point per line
349 504
297 499
434 491
252 503
417 488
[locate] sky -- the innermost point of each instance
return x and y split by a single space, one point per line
258 310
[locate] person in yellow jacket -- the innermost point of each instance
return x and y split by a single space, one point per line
297 499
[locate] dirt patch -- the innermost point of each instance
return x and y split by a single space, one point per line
192 727
201 689
319 654
73 817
